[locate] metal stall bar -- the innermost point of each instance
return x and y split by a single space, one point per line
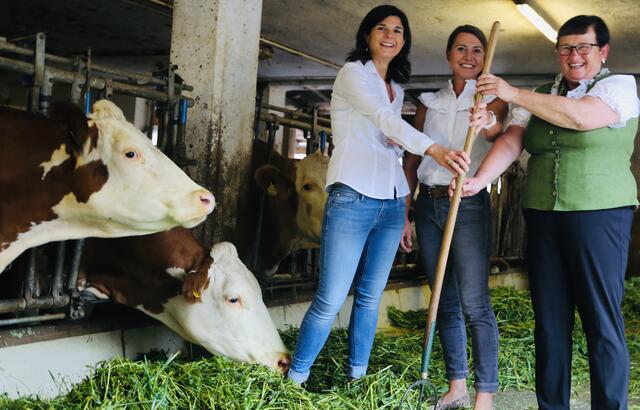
296 114
43 302
38 68
300 53
141 79
301 125
63 76
272 127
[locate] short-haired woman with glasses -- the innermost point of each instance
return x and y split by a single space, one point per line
578 204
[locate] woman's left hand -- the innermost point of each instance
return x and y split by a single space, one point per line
471 186
392 143
456 162
405 240
478 117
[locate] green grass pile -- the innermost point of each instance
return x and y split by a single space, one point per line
514 315
220 383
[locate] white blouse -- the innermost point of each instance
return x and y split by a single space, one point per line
362 118
617 91
447 122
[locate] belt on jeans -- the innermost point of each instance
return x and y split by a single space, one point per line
435 191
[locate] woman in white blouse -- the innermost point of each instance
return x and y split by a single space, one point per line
364 213
578 204
443 116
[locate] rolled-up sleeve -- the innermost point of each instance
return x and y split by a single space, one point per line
619 92
355 88
519 117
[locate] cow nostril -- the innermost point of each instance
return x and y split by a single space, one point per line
206 199
283 364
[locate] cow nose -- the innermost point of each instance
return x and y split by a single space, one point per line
206 199
283 363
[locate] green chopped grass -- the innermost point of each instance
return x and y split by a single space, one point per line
220 383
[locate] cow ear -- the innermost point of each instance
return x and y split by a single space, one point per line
271 180
196 281
105 109
71 121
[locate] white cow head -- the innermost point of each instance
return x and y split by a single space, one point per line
231 319
145 191
104 179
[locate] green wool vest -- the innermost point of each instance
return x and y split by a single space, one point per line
578 170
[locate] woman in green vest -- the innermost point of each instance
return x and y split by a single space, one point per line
578 204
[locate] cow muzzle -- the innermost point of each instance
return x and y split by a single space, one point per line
283 363
201 203
207 201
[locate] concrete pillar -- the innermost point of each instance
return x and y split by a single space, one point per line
215 45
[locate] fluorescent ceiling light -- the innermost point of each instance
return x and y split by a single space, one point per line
535 19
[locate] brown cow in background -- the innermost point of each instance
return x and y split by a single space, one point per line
293 208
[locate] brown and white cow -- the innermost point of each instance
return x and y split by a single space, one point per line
211 299
294 206
67 177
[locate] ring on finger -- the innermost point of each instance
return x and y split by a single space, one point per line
450 162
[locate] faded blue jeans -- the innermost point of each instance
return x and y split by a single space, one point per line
360 237
465 290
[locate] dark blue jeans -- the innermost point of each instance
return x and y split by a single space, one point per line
465 290
360 237
578 260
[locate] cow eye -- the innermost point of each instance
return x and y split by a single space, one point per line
307 187
233 300
130 154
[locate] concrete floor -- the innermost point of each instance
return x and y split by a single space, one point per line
521 400
526 400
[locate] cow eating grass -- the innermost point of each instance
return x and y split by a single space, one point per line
208 298
68 177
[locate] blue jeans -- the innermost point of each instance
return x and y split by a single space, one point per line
465 289
360 237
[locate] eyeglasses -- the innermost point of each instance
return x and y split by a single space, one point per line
582 48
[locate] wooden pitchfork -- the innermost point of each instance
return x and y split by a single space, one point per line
424 384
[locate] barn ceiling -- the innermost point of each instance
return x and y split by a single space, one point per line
137 32
327 27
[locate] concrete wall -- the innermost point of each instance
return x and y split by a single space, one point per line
51 367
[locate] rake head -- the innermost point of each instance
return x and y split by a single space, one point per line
418 394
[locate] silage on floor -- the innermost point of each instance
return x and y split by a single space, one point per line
219 383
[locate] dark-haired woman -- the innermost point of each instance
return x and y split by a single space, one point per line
364 213
578 204
465 291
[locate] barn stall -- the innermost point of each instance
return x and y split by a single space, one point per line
155 59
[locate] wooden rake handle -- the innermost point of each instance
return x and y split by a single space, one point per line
453 209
